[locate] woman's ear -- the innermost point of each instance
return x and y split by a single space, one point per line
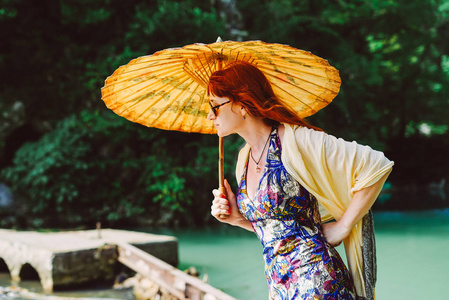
243 112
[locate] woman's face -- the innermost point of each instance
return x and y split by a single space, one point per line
227 117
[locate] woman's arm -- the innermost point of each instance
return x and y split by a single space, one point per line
225 209
361 202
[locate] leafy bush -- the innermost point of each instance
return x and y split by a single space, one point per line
96 166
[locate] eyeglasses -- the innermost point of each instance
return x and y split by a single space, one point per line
216 107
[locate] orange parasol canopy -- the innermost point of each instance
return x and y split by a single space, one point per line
167 90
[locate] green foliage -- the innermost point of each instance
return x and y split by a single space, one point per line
390 53
90 165
99 167
392 57
57 54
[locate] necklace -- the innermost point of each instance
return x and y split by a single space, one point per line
257 162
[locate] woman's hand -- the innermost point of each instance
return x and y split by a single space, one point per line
335 233
362 200
224 208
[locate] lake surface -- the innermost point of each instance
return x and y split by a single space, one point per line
412 250
412 256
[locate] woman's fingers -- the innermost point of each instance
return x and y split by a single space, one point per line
333 234
218 195
224 204
220 205
217 210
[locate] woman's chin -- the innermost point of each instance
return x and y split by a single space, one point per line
221 133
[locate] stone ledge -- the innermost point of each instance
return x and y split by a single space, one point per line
66 259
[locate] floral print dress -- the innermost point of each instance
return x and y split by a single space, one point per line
299 263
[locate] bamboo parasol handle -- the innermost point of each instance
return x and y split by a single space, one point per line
221 164
221 187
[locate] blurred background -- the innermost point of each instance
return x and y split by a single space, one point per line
66 161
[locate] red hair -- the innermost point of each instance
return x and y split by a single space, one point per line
245 84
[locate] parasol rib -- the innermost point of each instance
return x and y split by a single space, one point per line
127 80
155 99
182 108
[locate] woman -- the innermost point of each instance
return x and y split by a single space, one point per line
284 168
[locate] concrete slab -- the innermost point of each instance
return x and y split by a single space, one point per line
76 257
84 239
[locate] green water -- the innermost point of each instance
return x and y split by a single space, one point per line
412 250
412 253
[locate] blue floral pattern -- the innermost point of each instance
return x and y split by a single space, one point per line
299 263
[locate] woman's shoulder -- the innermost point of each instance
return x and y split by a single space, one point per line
300 133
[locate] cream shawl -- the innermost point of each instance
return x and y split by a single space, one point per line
332 170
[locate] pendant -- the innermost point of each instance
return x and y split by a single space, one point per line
257 169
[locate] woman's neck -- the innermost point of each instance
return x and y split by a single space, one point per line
256 133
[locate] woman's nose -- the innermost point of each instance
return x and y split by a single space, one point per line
211 115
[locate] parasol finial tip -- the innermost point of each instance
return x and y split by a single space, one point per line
219 40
